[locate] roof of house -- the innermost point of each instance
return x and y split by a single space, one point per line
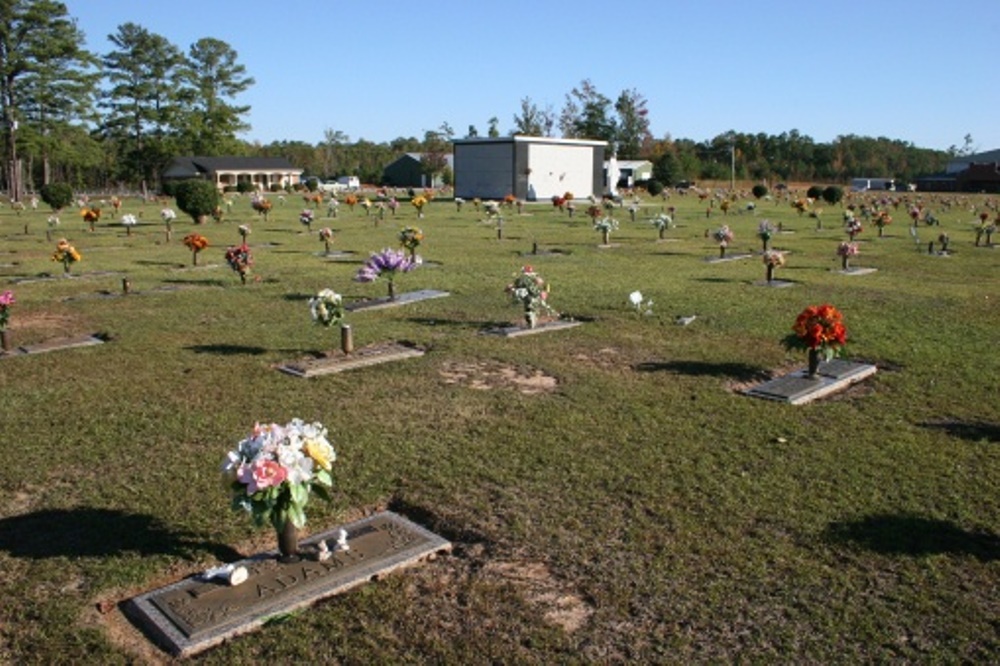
193 167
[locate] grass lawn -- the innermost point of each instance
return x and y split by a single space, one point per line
610 494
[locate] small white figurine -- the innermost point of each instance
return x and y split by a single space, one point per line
230 573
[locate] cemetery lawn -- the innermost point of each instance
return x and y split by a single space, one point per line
610 494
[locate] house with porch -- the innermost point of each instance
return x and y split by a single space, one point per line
262 172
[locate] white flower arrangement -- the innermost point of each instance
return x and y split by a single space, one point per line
642 308
327 308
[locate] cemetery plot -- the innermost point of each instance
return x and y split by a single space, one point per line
55 345
544 327
361 358
195 614
401 299
797 388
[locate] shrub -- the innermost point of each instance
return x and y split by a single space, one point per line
197 198
245 186
814 192
833 194
57 195
759 191
654 187
275 187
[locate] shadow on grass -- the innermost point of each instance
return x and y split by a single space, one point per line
227 350
915 536
427 518
148 262
740 371
86 532
973 431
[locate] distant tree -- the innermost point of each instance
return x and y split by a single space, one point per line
213 76
654 187
759 191
144 102
41 65
532 121
494 130
472 133
197 198
56 195
332 140
633 124
665 168
587 114
833 194
815 192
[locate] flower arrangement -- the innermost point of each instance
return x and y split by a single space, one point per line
66 254
351 200
632 210
459 201
531 292
635 298
52 223
218 214
240 259
306 217
410 238
393 205
196 243
558 201
509 199
723 236
367 205
6 300
272 473
662 222
765 231
853 228
387 264
820 330
91 214
326 235
327 308
845 251
419 202
261 205
116 203
331 207
773 259
605 225
168 216
129 221
244 231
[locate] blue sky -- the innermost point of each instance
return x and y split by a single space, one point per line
916 70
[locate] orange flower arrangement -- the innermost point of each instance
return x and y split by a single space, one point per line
818 328
196 243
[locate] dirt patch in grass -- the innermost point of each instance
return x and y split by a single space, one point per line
486 375
45 324
559 604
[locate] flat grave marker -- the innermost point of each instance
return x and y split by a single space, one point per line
194 614
797 388
360 358
545 327
402 299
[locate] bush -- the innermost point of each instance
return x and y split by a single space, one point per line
229 189
245 186
57 195
814 192
833 194
759 191
197 198
275 187
654 187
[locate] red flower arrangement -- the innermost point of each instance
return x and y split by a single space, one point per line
818 328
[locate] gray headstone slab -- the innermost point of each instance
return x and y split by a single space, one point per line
798 389
545 327
360 358
401 299
193 615
55 344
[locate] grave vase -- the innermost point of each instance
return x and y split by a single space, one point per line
770 273
288 542
531 319
4 341
392 290
813 370
845 263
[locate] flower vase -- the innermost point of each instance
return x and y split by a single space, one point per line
604 237
770 273
392 290
326 244
194 258
722 252
4 341
662 232
845 263
767 242
813 370
881 232
243 277
288 543
531 319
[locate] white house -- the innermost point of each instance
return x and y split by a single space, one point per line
531 168
631 172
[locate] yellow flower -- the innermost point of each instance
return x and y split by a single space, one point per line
321 452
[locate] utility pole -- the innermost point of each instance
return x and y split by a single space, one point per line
732 167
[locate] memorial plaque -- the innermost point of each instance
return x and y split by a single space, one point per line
360 358
728 257
194 614
518 331
402 299
798 389
55 344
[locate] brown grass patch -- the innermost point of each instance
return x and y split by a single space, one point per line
486 375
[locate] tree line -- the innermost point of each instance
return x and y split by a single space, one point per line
100 121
